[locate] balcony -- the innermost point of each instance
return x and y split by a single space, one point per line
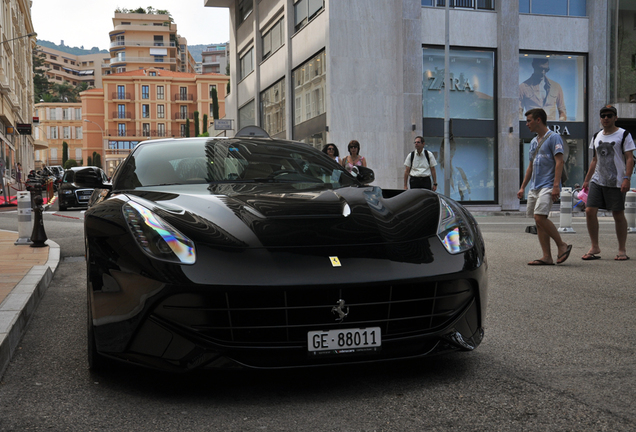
122 115
183 97
139 43
114 61
183 116
121 96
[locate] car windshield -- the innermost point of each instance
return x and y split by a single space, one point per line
237 160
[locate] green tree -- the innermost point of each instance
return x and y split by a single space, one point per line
205 124
196 123
187 128
64 152
90 161
215 104
64 92
97 160
41 84
70 163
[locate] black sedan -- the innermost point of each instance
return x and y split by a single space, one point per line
76 187
262 253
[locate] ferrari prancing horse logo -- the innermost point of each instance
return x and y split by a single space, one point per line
335 262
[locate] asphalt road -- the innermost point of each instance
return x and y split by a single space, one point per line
558 355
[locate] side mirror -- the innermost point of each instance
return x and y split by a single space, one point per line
363 174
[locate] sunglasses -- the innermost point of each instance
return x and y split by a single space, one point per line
330 148
607 115
356 147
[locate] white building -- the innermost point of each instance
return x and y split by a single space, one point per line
324 71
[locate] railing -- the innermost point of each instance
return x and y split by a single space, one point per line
465 4
122 115
121 96
183 116
142 44
153 133
115 60
183 97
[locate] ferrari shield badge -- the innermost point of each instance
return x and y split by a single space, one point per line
335 262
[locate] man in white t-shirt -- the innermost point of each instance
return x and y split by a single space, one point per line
608 180
419 169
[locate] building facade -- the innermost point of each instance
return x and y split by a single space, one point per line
214 59
16 88
59 123
323 71
64 68
147 40
145 104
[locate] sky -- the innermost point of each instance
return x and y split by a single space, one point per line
87 22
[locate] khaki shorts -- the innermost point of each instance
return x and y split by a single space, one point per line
539 202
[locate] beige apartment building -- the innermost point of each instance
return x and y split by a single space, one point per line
214 58
143 104
59 123
147 40
16 89
64 68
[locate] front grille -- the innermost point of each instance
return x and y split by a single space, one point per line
270 316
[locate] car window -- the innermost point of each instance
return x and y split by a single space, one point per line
68 177
230 161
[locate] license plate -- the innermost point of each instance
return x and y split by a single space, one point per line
346 341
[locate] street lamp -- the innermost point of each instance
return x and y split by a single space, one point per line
2 156
103 137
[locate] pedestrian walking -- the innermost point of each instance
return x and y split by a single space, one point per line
608 180
419 171
544 175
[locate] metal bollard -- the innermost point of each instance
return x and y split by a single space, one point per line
565 221
630 211
38 237
25 224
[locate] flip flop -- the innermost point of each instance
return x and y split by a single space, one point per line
539 262
590 257
621 258
565 255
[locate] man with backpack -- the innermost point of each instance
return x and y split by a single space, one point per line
608 180
420 168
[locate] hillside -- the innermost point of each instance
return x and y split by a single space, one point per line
71 50
195 50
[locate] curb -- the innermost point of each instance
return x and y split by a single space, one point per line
18 307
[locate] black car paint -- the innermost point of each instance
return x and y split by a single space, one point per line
264 239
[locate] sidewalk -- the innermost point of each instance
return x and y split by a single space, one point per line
25 274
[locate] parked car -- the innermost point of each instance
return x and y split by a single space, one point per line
75 189
58 172
262 253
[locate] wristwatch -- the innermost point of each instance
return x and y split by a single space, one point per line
434 184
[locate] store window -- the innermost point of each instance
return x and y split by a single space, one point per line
553 82
273 108
472 148
557 84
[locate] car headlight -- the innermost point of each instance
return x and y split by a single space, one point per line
67 192
156 237
453 230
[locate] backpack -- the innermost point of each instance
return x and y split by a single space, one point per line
625 133
428 158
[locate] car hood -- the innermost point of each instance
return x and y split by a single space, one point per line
281 215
